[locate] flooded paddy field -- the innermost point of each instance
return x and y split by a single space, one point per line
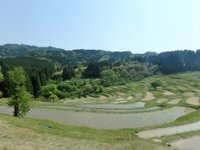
170 130
191 143
105 120
113 106
154 113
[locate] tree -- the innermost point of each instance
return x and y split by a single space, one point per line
108 77
36 84
38 71
51 92
68 73
17 89
49 89
1 79
93 70
178 61
155 84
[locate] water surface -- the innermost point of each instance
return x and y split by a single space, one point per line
170 130
191 143
104 120
114 106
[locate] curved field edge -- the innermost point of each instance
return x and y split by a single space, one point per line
187 119
183 120
190 118
21 133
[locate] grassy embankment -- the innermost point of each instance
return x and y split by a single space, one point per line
26 133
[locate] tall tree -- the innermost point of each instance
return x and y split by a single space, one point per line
93 70
1 79
38 71
68 73
108 77
17 89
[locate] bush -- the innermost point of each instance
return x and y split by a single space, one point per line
49 90
1 94
108 77
155 84
52 98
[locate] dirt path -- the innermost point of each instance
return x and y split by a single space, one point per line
169 130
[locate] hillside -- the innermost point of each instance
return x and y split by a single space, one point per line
96 99
13 50
88 71
60 55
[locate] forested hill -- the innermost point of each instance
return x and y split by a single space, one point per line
109 68
61 56
13 50
80 56
167 62
94 55
178 61
38 72
146 54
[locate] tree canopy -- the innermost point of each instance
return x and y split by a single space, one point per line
17 89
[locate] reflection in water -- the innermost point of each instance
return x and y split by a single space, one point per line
106 121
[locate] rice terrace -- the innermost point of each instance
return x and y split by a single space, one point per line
129 113
100 75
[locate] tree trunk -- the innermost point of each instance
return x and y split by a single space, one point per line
16 111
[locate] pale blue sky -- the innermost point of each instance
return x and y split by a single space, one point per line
135 25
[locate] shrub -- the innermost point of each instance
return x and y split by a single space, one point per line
155 84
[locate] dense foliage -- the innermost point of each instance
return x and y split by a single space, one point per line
10 50
38 72
178 61
17 90
68 73
60 55
77 73
71 89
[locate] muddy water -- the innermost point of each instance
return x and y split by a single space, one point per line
106 121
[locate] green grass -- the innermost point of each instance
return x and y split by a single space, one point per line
121 139
3 101
192 117
179 84
66 130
